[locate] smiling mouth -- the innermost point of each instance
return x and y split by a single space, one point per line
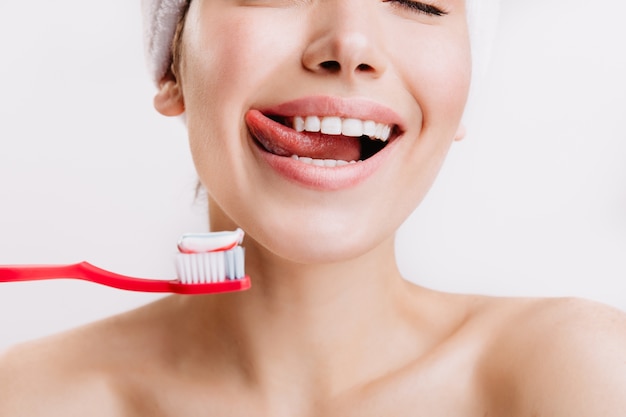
328 141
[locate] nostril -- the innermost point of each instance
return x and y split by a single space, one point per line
364 68
334 67
331 66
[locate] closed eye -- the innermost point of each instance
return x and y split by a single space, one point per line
419 7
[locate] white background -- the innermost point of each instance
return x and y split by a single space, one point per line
532 203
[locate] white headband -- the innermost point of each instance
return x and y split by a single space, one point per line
161 16
159 26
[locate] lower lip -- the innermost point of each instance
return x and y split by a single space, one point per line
323 178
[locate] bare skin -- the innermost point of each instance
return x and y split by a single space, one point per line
333 347
330 327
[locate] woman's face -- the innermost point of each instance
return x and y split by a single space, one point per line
255 73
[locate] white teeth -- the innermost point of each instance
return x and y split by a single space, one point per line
352 127
312 124
331 163
369 128
386 133
298 124
331 125
334 125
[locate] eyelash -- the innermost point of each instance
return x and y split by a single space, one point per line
419 7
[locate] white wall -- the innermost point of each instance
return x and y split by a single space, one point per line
532 203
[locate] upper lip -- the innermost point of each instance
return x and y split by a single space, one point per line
357 108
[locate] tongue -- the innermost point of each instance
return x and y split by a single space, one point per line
283 141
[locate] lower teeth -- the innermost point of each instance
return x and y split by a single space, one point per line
331 163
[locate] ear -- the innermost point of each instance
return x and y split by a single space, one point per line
460 133
169 99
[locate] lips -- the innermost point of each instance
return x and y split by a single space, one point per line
315 140
323 138
282 140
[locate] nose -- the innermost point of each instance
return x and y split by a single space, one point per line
345 41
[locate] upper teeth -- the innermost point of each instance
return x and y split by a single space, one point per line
334 125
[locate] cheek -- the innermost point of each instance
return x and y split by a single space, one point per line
228 63
438 79
435 65
218 59
441 84
233 50
216 62
451 87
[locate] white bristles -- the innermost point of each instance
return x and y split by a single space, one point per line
211 267
239 263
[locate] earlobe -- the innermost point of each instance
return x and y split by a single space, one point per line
460 133
169 98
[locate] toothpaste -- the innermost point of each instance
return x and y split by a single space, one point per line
210 242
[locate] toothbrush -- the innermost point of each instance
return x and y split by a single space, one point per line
207 263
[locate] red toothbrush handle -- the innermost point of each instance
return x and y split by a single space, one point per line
88 272
11 273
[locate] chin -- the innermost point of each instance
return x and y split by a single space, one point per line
317 242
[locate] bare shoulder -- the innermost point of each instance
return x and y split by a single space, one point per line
41 379
559 357
79 372
51 377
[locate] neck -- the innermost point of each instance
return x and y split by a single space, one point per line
336 316
334 323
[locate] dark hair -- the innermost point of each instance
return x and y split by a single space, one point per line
177 45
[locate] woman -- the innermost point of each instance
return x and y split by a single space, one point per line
330 327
